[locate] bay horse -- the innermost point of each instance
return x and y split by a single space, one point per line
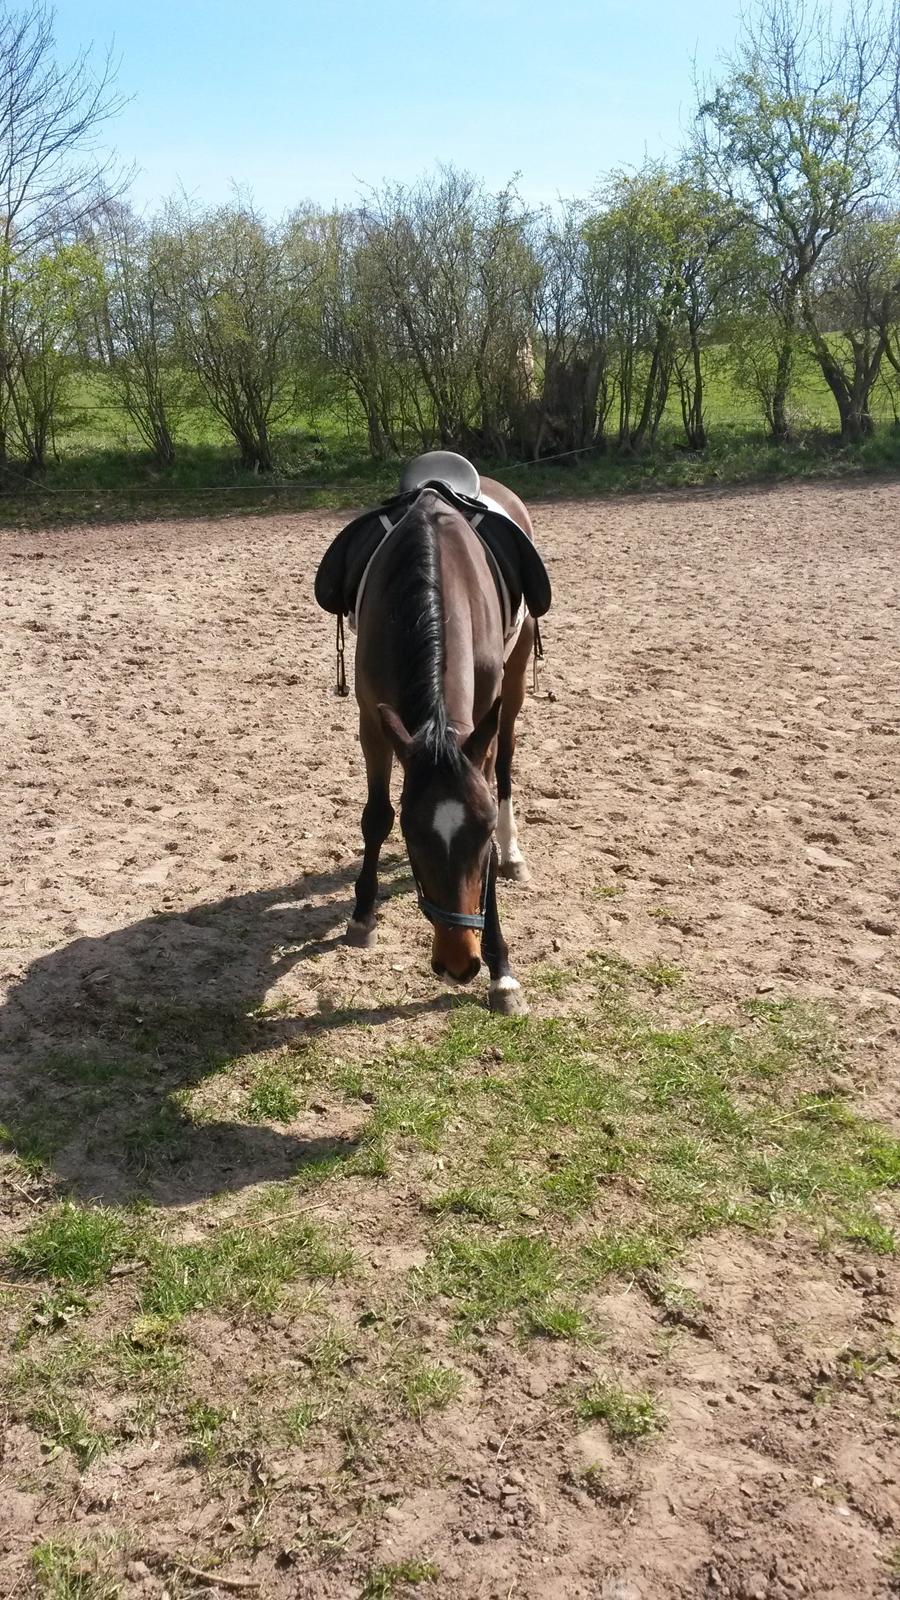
441 665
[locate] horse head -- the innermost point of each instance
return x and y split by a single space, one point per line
448 815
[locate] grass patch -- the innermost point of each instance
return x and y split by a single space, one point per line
629 1251
487 1280
627 1417
45 1389
242 1267
429 1388
471 1202
299 1419
64 1426
102 471
385 1583
272 1096
205 1426
674 1131
662 975
64 1571
868 1230
74 1244
148 1356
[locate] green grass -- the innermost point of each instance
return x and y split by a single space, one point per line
301 1417
472 1202
390 1582
273 1095
429 1388
242 1267
488 1280
239 1266
627 1416
103 473
666 1132
74 1244
627 1252
67 1571
205 1425
533 1164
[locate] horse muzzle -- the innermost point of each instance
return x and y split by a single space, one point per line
455 958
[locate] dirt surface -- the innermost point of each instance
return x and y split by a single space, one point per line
708 776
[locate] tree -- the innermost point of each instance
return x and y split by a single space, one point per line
706 245
360 352
49 294
626 243
855 311
571 316
652 242
135 334
236 289
453 260
793 136
50 174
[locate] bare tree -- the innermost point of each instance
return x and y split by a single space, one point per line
454 262
571 313
51 114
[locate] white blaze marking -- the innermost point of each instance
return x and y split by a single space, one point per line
507 837
449 816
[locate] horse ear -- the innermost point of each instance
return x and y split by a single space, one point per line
393 727
480 739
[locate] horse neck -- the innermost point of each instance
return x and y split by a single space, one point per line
458 677
415 646
430 588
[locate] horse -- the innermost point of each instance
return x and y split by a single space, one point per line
443 648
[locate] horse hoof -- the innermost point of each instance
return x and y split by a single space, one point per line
506 999
359 936
515 871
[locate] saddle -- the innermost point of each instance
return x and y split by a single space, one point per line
513 559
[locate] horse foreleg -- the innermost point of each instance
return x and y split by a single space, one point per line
377 821
505 994
512 861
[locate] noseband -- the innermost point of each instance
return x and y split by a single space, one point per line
456 919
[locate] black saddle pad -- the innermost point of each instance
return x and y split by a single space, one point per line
347 557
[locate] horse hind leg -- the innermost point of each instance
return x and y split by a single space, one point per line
512 862
377 821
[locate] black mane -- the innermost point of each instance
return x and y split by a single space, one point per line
412 585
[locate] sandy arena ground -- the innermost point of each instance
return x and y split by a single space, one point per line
717 729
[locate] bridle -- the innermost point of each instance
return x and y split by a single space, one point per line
438 917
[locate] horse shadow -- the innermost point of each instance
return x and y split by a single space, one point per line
103 1040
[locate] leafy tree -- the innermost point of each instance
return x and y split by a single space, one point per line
135 335
49 295
856 310
453 261
793 137
237 289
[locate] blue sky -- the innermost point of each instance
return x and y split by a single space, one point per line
302 101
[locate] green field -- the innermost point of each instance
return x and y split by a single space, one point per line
100 470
